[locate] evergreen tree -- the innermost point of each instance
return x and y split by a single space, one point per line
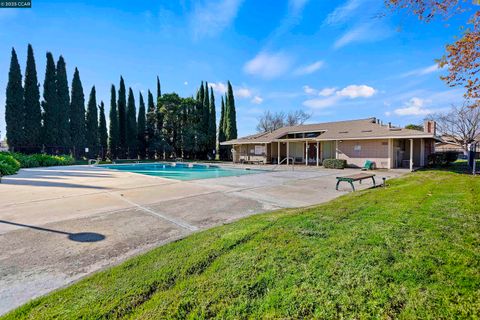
77 116
114 136
205 122
92 125
221 132
131 126
102 132
63 96
50 107
122 118
159 90
151 125
33 113
14 105
141 129
212 121
231 125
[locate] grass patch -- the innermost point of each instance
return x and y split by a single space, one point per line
411 250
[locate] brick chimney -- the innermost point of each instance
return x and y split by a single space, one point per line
430 126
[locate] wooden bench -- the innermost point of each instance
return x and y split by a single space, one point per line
355 177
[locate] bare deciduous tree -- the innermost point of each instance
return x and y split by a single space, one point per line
269 121
460 126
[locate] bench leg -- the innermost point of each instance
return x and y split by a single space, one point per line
373 179
336 187
353 187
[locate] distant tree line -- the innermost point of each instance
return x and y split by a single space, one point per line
166 127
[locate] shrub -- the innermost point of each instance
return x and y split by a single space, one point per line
12 161
334 163
8 165
442 159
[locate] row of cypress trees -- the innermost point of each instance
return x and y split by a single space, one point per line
171 127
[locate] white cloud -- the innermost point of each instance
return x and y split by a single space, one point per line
242 92
309 90
421 71
342 13
356 91
268 65
239 92
321 103
257 100
218 87
213 17
365 32
186 83
332 96
414 107
311 68
326 92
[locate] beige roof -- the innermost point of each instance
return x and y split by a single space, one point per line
340 130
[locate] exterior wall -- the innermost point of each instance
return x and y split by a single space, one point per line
356 152
328 149
246 153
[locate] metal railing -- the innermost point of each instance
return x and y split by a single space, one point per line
292 161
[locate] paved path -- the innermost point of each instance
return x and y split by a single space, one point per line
60 224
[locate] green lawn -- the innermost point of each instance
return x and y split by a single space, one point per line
411 250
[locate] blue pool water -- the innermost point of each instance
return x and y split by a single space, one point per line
180 171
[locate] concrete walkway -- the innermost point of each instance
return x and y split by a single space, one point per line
59 224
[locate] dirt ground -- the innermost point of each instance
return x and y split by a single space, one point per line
62 223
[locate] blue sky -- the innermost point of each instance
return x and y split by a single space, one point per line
337 60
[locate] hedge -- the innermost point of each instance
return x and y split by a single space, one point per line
11 162
334 163
442 159
8 165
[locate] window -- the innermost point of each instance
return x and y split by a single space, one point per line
259 150
357 148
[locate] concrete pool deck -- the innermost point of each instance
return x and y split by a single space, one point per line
59 224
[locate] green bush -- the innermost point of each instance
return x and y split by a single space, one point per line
10 162
8 165
442 159
334 163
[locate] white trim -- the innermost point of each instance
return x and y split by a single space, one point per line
288 152
318 163
411 154
422 152
390 153
278 155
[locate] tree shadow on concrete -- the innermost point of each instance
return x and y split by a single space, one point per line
77 237
40 183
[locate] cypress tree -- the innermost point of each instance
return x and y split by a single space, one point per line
221 131
33 113
159 90
131 126
14 105
77 116
63 96
141 129
50 106
114 137
92 125
205 121
122 118
102 132
231 125
212 121
151 125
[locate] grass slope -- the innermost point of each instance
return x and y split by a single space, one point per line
411 250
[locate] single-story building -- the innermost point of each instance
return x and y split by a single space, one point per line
355 141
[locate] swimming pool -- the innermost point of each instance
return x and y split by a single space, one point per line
180 171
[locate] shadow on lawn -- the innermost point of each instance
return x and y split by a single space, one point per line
77 237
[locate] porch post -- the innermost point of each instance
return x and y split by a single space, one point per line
306 153
390 153
336 149
317 154
288 152
422 152
411 154
278 155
